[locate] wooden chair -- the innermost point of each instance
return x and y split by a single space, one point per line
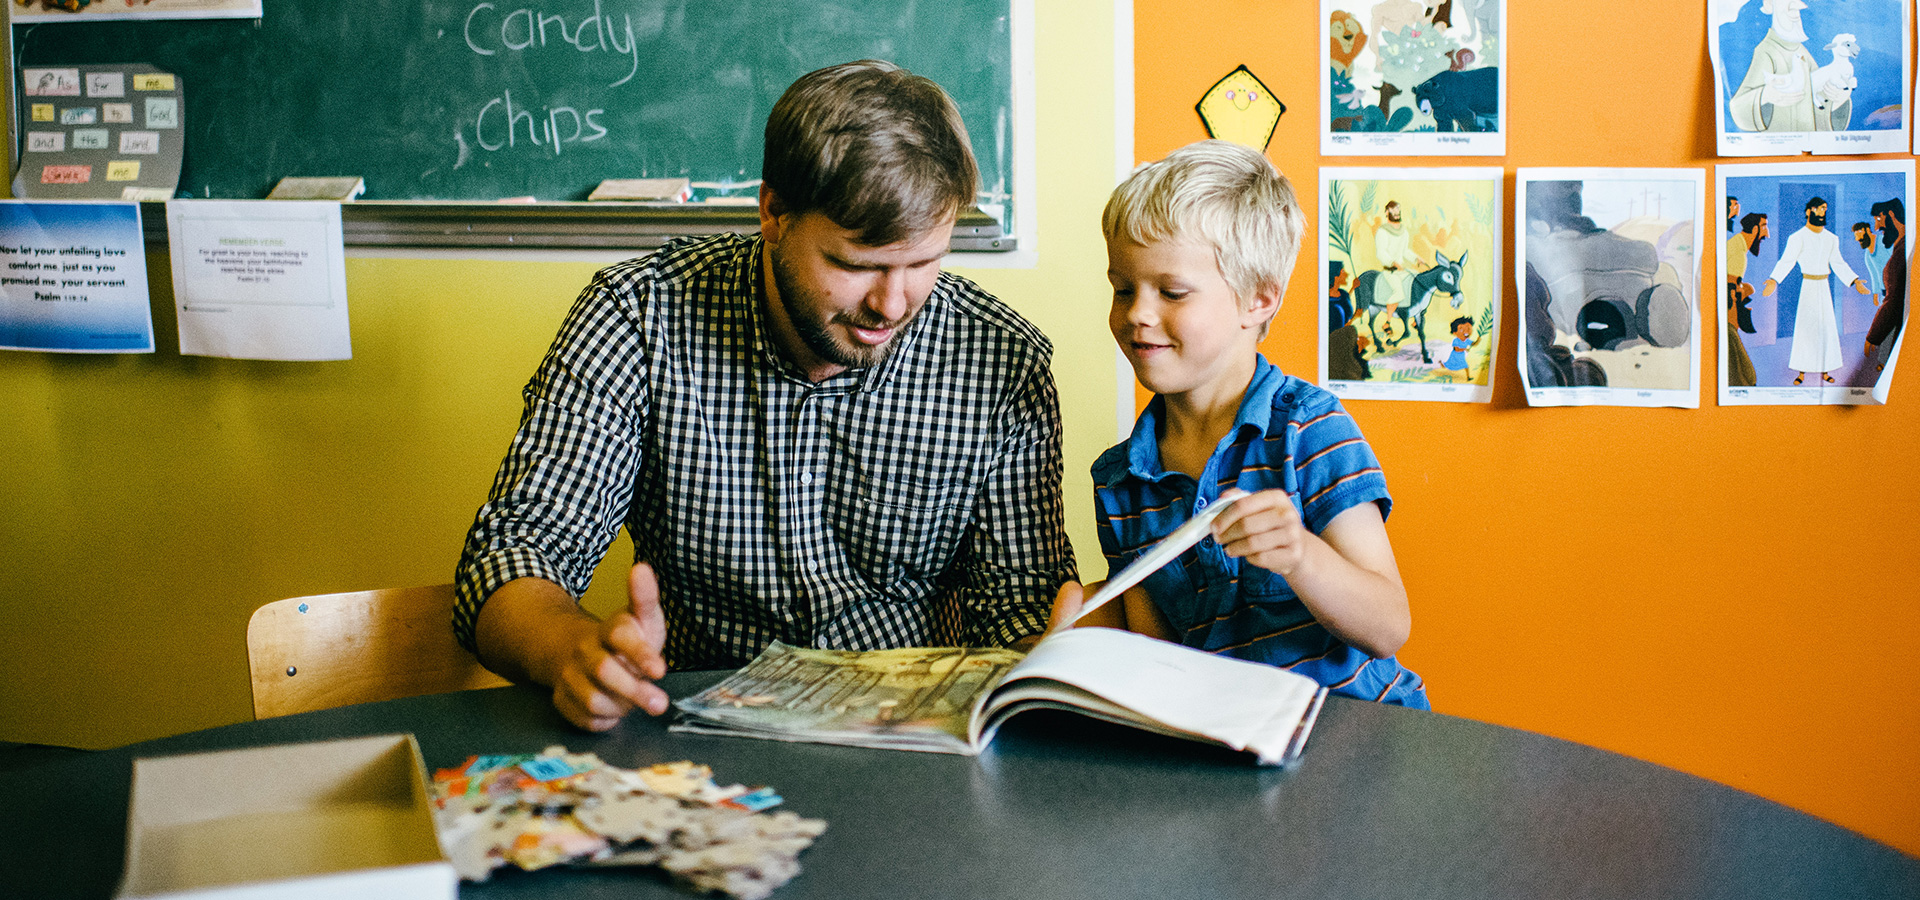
330 650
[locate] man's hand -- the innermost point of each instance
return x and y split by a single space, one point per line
1860 284
531 629
1066 607
1767 289
612 670
1265 529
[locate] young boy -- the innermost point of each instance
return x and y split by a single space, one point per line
1299 574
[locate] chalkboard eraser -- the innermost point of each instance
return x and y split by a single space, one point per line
344 187
675 190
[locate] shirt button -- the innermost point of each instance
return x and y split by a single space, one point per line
806 477
813 565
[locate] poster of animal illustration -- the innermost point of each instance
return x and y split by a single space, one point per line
1815 260
1825 76
1411 281
1608 265
1413 78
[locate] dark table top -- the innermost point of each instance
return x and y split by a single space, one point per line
1386 803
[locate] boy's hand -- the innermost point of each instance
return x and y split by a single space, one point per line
1265 529
612 670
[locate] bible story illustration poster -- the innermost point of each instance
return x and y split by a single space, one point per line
1815 304
1608 264
1411 282
1825 76
1412 78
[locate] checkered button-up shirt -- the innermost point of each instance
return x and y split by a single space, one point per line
916 502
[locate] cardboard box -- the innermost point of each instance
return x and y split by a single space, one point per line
345 818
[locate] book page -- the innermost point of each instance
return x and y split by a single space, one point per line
910 698
1241 704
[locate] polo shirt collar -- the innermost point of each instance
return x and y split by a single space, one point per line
1143 445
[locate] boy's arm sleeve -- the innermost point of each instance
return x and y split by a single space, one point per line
1337 468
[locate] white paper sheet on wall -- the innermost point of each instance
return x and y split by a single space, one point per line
259 279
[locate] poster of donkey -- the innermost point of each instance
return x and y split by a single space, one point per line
1411 277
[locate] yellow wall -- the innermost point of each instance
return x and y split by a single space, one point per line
149 503
1727 591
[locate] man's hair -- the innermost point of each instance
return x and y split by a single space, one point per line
1891 207
1862 226
1813 202
1221 194
875 148
1750 221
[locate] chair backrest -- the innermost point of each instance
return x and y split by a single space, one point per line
330 650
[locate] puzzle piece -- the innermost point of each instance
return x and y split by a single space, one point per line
537 811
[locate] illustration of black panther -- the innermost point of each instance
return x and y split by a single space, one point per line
1467 100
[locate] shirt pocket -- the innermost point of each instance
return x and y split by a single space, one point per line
1259 585
904 530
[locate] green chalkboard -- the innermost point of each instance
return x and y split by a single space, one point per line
453 100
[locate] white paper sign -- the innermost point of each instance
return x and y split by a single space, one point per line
259 279
73 277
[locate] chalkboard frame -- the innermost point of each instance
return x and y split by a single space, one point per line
436 224
412 224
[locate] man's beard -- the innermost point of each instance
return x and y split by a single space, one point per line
1887 236
1814 218
1754 247
800 306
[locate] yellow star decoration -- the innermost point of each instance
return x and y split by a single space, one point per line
1240 109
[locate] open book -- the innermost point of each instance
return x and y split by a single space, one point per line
953 699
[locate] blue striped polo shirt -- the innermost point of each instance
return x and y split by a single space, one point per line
1288 434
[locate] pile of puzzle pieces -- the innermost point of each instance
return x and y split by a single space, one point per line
535 811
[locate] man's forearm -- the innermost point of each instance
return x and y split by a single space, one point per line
526 626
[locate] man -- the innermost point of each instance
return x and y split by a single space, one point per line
1777 93
1891 218
813 436
1863 234
1745 243
1339 299
1393 246
1816 330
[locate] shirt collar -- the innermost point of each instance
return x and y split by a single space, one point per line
1143 445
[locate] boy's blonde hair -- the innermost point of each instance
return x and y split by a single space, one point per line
1218 193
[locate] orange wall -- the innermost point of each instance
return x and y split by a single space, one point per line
1727 591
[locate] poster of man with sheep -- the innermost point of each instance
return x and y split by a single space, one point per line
1820 76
